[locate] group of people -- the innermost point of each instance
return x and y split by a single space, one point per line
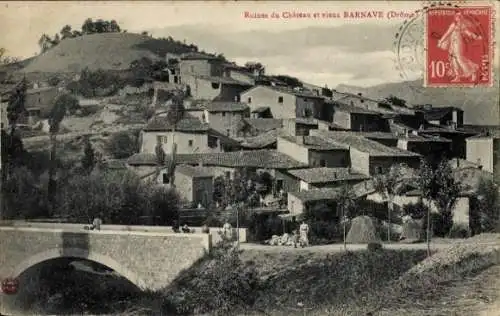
177 229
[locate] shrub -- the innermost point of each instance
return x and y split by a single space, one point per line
54 81
374 246
221 283
123 145
416 210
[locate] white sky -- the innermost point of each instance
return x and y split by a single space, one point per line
221 26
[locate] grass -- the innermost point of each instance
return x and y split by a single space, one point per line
108 51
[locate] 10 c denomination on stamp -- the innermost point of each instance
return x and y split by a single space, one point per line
459 46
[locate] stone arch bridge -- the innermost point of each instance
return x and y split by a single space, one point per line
149 257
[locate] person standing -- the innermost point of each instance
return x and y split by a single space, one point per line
227 229
96 224
304 234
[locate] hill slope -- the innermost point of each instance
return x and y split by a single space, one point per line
480 104
109 51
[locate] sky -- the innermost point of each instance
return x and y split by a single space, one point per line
319 50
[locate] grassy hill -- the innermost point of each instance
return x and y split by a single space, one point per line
480 104
108 51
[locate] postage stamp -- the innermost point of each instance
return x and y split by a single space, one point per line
459 46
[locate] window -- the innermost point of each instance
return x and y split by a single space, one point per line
228 174
378 170
190 143
280 99
249 99
215 85
165 179
212 141
159 139
228 132
322 163
203 117
223 113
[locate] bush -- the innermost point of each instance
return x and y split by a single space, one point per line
375 246
123 145
221 283
416 210
54 81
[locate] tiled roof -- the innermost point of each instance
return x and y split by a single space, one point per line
263 158
343 107
194 171
372 104
363 188
260 141
306 121
322 175
316 194
299 93
359 142
457 163
264 124
314 142
115 164
226 106
438 113
198 56
142 159
260 109
187 124
224 80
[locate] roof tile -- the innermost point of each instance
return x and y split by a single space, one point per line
323 175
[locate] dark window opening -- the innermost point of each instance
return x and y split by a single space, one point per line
280 99
212 142
249 100
228 132
378 170
215 85
322 163
190 143
166 179
228 174
223 113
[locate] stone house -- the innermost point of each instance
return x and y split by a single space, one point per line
240 73
427 146
214 88
355 118
194 184
298 202
460 211
485 151
457 136
198 64
300 126
191 136
283 102
225 164
314 151
226 116
367 156
444 116
322 177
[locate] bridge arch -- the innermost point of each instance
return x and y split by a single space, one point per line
81 254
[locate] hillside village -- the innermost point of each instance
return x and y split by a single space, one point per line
308 141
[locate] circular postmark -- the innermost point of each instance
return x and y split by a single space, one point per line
411 48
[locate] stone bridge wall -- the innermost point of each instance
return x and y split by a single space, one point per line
150 260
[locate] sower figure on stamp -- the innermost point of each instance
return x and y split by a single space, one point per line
454 41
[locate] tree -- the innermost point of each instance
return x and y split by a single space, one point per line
160 154
88 26
439 188
66 32
345 206
89 157
388 185
56 116
174 114
255 67
45 43
122 145
447 195
395 100
485 207
16 104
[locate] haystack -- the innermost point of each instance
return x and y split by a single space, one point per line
412 230
363 231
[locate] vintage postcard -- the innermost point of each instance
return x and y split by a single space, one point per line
250 158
